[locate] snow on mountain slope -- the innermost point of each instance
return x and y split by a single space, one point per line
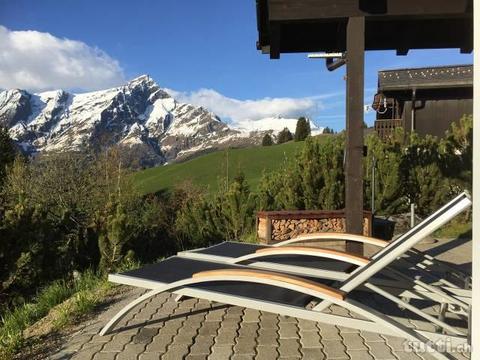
144 119
276 124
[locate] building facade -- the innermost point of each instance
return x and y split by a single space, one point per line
426 100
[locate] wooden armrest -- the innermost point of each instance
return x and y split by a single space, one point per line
335 236
311 251
288 279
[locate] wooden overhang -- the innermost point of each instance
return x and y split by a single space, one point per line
291 26
433 77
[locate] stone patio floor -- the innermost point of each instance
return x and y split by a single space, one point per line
195 329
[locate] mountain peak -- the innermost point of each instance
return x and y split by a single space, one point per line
141 79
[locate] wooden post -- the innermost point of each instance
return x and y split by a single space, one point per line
354 143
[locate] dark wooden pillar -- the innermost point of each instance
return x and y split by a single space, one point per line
354 141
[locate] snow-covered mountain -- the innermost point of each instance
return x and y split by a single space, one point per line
274 124
152 126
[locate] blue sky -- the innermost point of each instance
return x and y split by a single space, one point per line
188 46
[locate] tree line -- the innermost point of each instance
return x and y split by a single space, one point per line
62 213
302 131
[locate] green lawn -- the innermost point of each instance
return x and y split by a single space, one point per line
207 170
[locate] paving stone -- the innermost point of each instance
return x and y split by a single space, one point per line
248 330
380 350
149 356
353 341
266 352
371 337
159 343
267 331
184 338
235 310
245 346
360 355
251 315
104 356
187 303
330 332
396 343
268 339
88 351
118 343
209 328
78 341
196 357
334 349
221 352
347 330
242 357
307 325
131 351
268 323
202 345
230 323
225 339
144 336
287 319
310 339
178 350
215 315
338 310
268 315
101 339
315 353
95 329
289 348
196 317
170 328
288 330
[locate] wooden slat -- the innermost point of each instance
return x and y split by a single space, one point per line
343 236
288 279
328 253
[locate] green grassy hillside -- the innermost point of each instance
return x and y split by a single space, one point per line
207 170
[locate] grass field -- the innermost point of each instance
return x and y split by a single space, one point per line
207 170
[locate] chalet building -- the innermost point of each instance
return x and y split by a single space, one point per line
440 95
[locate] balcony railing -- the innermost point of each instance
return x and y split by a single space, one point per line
386 127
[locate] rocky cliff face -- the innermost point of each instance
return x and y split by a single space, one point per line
139 116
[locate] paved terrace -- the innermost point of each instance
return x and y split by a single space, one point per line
195 329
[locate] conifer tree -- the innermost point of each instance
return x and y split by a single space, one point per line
302 130
284 136
267 140
7 152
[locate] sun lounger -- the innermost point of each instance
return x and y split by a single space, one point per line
274 292
304 297
336 265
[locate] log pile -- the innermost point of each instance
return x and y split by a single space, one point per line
284 229
279 226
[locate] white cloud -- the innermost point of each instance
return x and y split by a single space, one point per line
240 110
36 61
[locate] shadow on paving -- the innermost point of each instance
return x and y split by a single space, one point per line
167 318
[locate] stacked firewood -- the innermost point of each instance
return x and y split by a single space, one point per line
284 229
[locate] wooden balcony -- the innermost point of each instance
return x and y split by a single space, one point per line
386 127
